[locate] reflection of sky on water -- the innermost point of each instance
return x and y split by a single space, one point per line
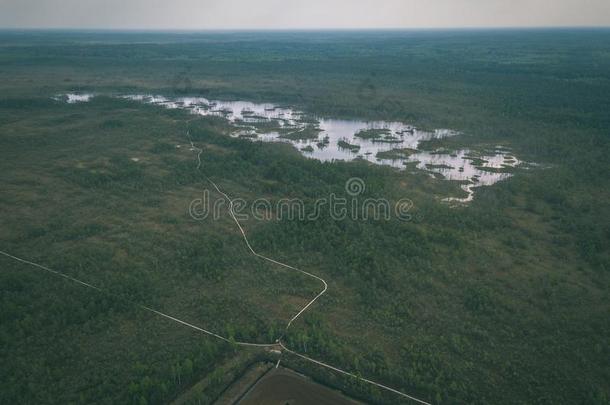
249 119
74 98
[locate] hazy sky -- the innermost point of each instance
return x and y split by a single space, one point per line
281 14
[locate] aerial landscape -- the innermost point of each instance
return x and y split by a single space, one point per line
209 204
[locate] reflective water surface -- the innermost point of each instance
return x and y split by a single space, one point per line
72 98
394 144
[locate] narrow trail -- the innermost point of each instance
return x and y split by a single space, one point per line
278 343
338 370
254 252
324 283
144 307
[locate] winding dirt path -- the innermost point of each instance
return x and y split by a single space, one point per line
324 283
278 344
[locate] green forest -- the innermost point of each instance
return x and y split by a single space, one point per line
502 300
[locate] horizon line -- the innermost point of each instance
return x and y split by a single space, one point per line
252 29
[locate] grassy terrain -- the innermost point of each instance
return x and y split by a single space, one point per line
503 301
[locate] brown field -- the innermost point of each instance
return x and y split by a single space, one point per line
285 387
